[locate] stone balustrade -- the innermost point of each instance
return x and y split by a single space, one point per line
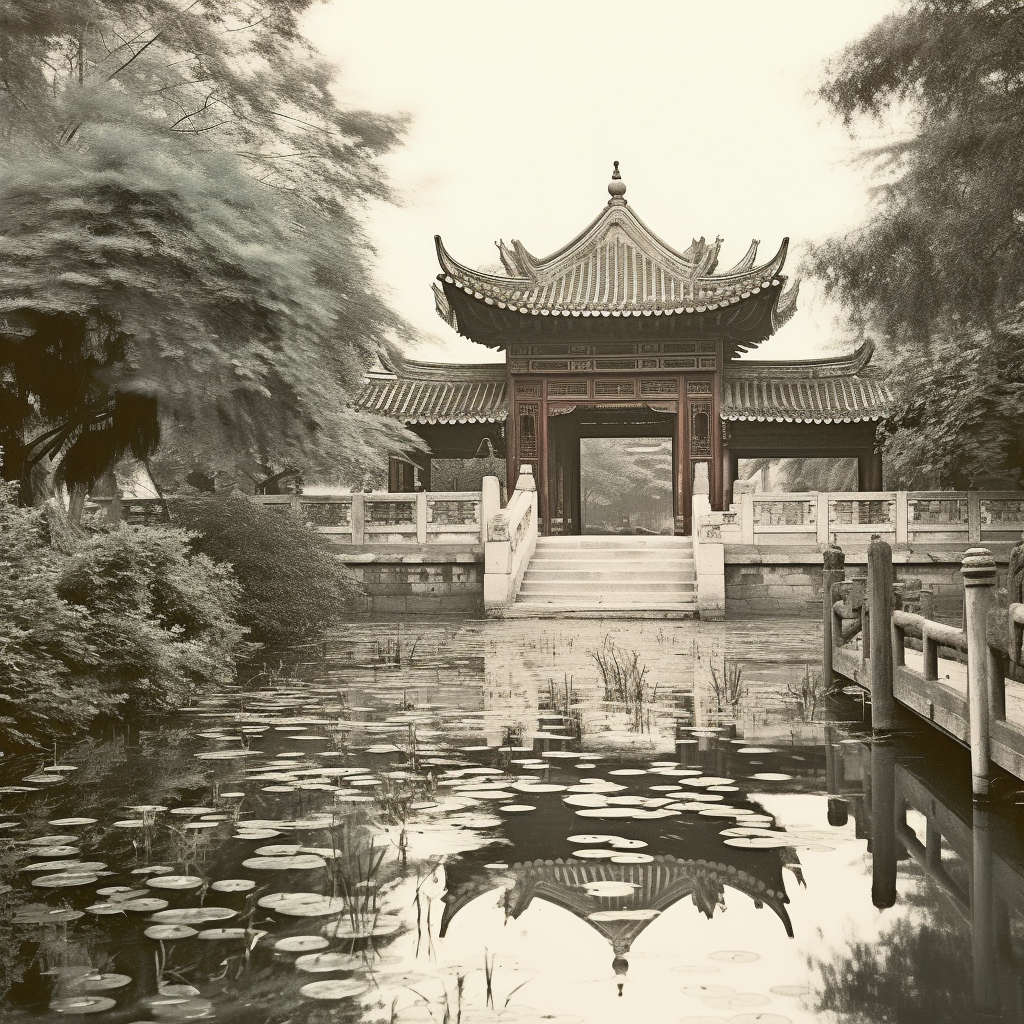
510 541
432 518
902 518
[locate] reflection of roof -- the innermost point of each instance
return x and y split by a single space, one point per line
616 267
832 390
438 392
659 885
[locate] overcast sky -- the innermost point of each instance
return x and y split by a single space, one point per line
519 108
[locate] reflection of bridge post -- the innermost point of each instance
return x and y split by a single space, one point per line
884 851
983 918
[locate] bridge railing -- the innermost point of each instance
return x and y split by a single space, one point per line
424 517
867 639
852 517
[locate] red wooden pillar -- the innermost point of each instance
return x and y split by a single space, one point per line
681 465
543 484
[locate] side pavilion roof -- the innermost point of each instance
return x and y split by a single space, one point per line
837 389
418 393
841 389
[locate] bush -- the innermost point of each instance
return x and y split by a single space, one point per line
131 621
292 585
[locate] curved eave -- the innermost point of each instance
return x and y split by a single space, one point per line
848 365
443 420
873 417
747 322
521 292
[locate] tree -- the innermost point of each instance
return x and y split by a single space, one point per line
937 270
129 622
292 585
181 245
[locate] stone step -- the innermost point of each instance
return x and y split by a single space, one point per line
606 606
606 587
588 571
610 564
615 543
593 594
553 611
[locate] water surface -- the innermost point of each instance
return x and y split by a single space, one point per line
514 821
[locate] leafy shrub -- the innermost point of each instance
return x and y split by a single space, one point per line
292 585
131 621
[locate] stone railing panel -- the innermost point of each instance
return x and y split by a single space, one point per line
328 514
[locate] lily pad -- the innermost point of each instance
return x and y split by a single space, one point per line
233 885
82 1004
322 963
175 882
301 943
342 988
382 925
194 915
222 934
169 932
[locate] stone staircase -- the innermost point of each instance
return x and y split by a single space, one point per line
614 577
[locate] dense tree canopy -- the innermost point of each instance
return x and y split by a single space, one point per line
937 269
180 243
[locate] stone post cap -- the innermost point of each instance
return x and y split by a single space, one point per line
978 568
525 481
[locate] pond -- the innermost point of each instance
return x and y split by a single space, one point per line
514 822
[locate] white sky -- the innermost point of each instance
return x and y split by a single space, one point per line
518 109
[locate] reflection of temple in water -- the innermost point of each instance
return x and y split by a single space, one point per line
703 868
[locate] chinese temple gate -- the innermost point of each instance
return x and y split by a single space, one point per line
619 335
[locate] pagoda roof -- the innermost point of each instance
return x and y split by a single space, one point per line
617 266
420 393
841 389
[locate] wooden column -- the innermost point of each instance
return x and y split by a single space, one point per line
879 643
884 854
543 482
979 573
869 470
680 465
983 919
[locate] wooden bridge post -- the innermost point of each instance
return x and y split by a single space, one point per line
884 854
983 922
833 571
879 644
979 572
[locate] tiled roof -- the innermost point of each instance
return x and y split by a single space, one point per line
416 392
833 390
617 265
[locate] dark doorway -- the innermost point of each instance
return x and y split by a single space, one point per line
622 460
626 485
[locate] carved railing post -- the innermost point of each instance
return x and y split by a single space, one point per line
879 641
833 571
979 572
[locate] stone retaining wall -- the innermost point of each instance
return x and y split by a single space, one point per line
766 582
423 581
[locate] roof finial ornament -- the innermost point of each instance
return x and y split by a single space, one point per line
616 188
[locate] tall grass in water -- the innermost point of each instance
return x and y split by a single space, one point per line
625 681
728 688
564 700
811 691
